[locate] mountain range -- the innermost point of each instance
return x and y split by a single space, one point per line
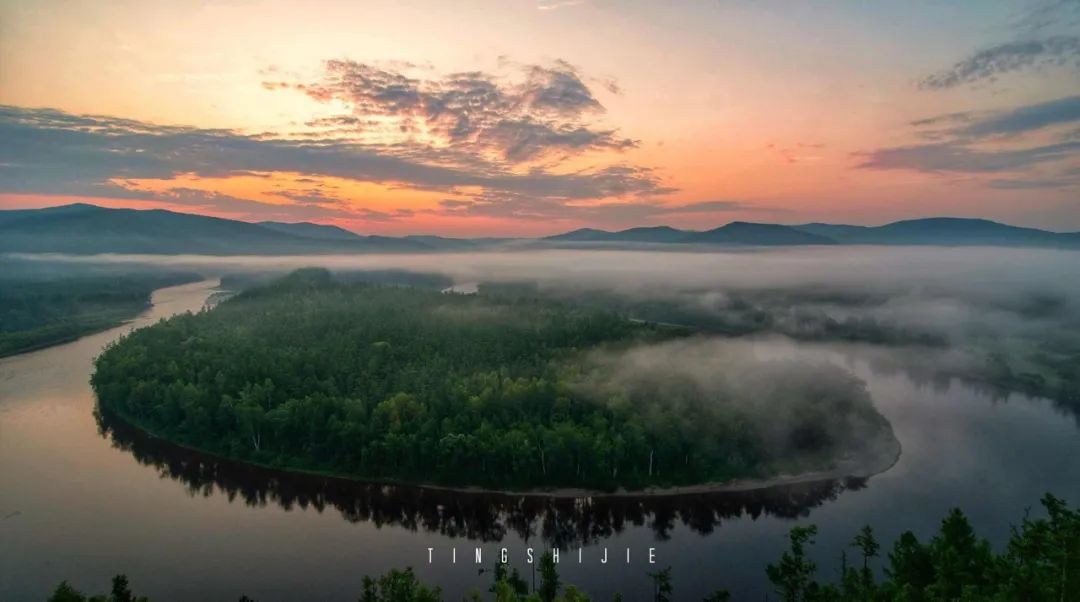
945 231
735 233
89 229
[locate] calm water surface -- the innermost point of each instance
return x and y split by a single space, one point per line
81 500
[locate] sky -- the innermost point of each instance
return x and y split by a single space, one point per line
531 117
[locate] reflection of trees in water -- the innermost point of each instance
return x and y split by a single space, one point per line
478 516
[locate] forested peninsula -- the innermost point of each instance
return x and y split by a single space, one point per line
408 384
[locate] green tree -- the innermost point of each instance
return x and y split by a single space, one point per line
662 587
65 593
398 586
869 547
549 578
793 576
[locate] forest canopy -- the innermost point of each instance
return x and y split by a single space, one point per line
406 384
44 304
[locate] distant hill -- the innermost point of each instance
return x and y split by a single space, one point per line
310 230
953 231
88 229
647 234
928 231
582 235
651 234
748 233
72 209
837 232
735 233
444 243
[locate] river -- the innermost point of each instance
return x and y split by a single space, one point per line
82 501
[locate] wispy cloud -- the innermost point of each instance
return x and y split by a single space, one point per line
1033 184
948 118
1043 36
1048 16
1026 119
989 63
1006 141
550 5
800 152
631 212
952 157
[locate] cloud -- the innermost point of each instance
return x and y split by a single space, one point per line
951 118
558 89
530 208
316 196
1044 36
1049 16
798 152
542 112
989 63
526 139
974 126
715 207
1034 184
952 157
52 152
970 142
203 200
551 5
1025 119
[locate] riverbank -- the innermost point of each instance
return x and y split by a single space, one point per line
42 311
885 452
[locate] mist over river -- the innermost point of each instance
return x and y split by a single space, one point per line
82 505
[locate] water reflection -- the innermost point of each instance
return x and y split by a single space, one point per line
561 522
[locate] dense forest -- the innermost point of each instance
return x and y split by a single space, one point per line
1040 563
406 384
242 280
41 305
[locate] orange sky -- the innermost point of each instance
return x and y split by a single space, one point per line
527 118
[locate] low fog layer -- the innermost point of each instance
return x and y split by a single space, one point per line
946 289
952 308
793 404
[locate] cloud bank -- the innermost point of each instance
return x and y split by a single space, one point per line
1035 144
496 144
546 111
44 151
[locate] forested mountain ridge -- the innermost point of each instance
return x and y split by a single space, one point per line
88 229
748 233
944 231
310 230
410 385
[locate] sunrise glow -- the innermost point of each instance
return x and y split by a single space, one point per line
531 117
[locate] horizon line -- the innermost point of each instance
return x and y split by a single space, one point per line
541 237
